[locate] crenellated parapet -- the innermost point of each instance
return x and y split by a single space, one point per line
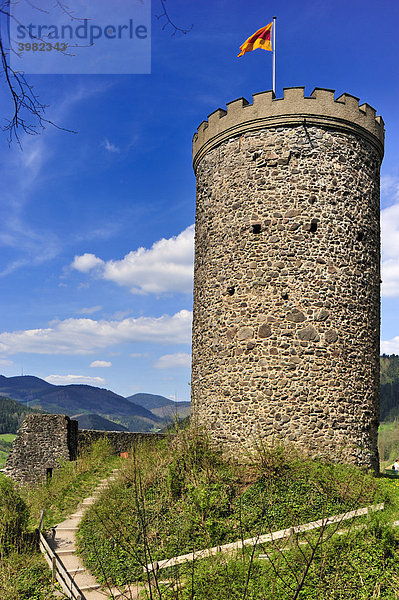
266 111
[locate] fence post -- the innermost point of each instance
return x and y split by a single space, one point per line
53 568
291 537
41 520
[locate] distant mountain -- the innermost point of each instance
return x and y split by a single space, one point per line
77 399
150 401
160 406
86 398
23 387
12 413
92 421
178 409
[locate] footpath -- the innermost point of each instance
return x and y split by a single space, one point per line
63 544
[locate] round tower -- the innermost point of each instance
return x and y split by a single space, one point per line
287 274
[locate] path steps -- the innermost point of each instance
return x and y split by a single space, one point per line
63 543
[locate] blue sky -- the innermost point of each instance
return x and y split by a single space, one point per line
96 232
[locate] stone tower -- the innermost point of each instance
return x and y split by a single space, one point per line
287 274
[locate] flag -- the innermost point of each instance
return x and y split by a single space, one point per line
260 39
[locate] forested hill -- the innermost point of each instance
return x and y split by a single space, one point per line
389 384
12 414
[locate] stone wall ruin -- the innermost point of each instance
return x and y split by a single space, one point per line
44 442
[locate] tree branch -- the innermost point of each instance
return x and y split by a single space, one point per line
169 23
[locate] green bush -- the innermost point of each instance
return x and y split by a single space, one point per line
25 577
14 515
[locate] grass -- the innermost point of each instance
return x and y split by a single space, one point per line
70 484
24 575
354 566
3 458
6 440
23 572
183 495
388 443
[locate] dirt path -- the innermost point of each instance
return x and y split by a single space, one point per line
63 543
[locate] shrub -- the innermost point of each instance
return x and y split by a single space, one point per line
14 515
25 577
182 494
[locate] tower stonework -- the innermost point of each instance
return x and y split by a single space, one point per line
287 274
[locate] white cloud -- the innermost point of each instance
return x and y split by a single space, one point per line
84 336
390 188
110 147
86 262
101 363
390 250
390 346
172 361
68 379
138 355
89 310
4 362
165 267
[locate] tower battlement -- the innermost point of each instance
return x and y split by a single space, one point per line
320 109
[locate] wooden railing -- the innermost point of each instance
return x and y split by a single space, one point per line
261 539
58 570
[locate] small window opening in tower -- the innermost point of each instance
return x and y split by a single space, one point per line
256 228
49 473
313 226
231 290
360 236
284 295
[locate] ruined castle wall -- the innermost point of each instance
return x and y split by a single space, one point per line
287 275
43 442
121 441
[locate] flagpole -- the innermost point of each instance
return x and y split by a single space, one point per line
274 55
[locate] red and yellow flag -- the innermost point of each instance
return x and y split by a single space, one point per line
259 39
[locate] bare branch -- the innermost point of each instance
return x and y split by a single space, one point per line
27 113
167 21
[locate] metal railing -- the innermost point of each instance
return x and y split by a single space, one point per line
58 570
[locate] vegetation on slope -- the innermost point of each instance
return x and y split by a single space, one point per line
70 484
388 443
178 497
12 414
357 565
6 440
389 387
23 573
